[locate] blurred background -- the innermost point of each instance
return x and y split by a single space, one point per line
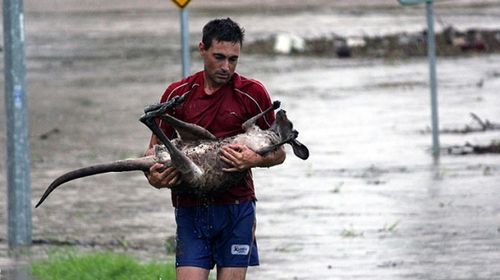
370 202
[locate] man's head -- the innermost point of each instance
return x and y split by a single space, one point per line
220 49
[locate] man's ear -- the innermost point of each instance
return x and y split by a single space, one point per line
201 48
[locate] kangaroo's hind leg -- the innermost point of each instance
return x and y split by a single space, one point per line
190 171
188 131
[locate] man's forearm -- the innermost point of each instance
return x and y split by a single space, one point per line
273 158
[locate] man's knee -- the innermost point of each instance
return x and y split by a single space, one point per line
192 273
231 273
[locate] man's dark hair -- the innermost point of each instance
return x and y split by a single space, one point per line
222 30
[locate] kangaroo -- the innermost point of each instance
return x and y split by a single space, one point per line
195 153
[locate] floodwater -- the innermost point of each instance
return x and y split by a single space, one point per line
370 202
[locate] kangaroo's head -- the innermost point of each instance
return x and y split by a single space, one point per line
284 128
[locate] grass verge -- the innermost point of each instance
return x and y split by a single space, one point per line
102 265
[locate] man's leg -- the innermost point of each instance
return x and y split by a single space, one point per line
236 248
193 252
192 273
231 273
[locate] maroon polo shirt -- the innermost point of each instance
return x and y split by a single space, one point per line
222 113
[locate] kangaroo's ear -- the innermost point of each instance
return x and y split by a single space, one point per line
299 149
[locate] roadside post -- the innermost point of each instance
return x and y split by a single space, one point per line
18 152
184 15
431 54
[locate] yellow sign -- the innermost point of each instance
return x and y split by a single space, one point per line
181 3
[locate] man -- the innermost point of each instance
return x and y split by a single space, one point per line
217 230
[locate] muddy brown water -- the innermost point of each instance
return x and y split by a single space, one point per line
370 203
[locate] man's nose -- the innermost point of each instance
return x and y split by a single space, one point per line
225 65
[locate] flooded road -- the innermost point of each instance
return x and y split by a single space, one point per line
370 203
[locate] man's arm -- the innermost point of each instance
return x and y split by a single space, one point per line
242 158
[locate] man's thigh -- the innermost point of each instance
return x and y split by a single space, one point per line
193 245
235 246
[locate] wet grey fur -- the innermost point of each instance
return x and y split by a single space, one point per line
195 154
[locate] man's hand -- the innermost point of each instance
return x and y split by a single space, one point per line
240 157
161 177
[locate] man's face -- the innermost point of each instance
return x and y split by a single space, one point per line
220 61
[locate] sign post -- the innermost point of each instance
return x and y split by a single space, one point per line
431 54
184 36
18 163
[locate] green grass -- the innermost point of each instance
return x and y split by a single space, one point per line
96 266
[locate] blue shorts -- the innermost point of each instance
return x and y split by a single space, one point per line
221 235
